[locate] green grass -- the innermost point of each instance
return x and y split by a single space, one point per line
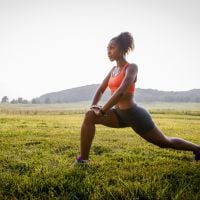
37 151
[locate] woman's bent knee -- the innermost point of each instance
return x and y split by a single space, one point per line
89 116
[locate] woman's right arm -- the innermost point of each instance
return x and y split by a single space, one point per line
101 90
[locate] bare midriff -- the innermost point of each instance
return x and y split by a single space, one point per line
126 101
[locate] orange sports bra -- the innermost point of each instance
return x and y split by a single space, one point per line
116 80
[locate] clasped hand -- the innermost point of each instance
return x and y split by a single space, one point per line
96 110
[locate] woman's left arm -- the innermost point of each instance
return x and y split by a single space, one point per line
130 76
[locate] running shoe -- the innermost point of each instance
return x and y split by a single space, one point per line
79 160
197 155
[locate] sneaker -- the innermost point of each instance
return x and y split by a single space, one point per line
79 160
197 155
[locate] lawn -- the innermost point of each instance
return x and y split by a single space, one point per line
38 149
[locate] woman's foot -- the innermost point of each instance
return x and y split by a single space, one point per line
79 160
197 155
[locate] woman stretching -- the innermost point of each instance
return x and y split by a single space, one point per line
121 110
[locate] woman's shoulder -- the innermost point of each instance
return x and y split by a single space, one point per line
133 66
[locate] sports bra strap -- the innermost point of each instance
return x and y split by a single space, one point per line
124 67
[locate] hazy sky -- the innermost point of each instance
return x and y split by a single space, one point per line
48 46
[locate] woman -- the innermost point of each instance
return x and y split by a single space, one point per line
121 110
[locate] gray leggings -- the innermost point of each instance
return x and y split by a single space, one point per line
135 117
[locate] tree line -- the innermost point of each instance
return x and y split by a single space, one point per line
85 93
20 100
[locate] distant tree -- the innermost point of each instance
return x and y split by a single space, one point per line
20 100
34 101
25 101
47 100
13 101
4 99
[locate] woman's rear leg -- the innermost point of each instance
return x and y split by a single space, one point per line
156 136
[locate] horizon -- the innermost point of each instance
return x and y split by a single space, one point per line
48 46
10 99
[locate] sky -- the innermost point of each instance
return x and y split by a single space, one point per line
52 45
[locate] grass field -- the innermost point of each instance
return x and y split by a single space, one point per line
38 146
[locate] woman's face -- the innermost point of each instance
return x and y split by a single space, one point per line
113 50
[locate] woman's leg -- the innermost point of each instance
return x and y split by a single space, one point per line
88 129
156 137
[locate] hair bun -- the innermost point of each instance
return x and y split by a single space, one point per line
127 42
125 35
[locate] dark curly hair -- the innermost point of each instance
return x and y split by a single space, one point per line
125 42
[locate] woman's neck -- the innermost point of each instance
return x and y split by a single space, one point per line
121 62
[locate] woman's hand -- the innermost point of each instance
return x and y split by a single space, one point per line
97 110
95 107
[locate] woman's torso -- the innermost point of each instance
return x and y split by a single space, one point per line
126 100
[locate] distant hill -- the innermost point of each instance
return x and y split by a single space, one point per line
86 93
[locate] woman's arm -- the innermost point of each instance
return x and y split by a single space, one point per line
101 90
130 76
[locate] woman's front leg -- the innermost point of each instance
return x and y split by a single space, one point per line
87 134
88 129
